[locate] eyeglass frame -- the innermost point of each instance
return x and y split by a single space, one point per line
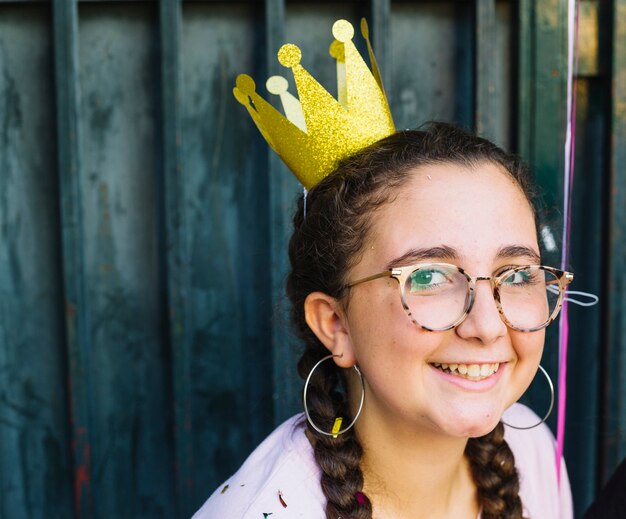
401 274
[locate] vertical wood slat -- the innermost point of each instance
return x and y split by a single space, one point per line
485 118
282 187
549 97
36 463
381 38
585 324
524 86
176 250
65 21
615 358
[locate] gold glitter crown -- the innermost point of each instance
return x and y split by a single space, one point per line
319 130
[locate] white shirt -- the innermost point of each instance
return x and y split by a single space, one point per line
284 467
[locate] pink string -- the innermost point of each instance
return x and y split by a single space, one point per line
570 149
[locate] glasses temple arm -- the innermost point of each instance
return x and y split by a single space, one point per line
386 274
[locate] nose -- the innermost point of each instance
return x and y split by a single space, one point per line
483 321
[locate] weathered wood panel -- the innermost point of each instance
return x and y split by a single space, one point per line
585 324
486 46
615 353
227 225
129 400
75 302
35 470
431 63
175 265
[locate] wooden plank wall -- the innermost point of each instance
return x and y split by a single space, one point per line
614 401
144 339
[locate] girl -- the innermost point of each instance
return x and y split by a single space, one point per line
417 286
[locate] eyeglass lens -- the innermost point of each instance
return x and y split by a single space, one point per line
438 296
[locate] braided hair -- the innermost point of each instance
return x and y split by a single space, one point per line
322 249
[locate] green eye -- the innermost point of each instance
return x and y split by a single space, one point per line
425 279
518 278
422 277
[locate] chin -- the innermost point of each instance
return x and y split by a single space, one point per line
482 430
480 424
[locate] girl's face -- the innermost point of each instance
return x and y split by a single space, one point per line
480 220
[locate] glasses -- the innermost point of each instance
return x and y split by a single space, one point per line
439 296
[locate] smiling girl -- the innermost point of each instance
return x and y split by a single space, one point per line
417 285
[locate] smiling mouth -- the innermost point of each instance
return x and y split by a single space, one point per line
468 371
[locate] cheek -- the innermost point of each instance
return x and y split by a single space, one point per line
380 325
375 311
528 345
390 347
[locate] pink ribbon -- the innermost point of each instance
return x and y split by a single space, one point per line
568 171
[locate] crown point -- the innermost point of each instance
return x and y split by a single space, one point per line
365 31
277 85
289 55
336 50
240 96
343 30
245 84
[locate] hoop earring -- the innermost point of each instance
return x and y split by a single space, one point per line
549 409
306 409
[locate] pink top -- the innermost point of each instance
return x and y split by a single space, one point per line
284 463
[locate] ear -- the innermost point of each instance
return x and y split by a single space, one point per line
327 320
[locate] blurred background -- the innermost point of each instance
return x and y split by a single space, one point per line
144 344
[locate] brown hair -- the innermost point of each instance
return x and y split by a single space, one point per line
323 247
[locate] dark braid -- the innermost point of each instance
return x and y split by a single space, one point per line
493 469
339 458
322 249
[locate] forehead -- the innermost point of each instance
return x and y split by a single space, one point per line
476 211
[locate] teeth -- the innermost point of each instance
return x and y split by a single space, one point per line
469 371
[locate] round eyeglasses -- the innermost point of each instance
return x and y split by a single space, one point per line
439 296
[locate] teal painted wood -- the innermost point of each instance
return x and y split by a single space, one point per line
176 249
380 27
35 457
486 91
524 139
129 399
77 323
615 364
548 37
431 64
588 242
225 201
283 188
504 75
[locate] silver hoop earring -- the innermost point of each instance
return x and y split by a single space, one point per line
549 409
306 409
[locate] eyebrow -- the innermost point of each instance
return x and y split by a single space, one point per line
429 253
445 252
516 251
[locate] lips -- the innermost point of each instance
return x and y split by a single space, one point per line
473 372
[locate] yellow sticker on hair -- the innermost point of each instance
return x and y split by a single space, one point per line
337 426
